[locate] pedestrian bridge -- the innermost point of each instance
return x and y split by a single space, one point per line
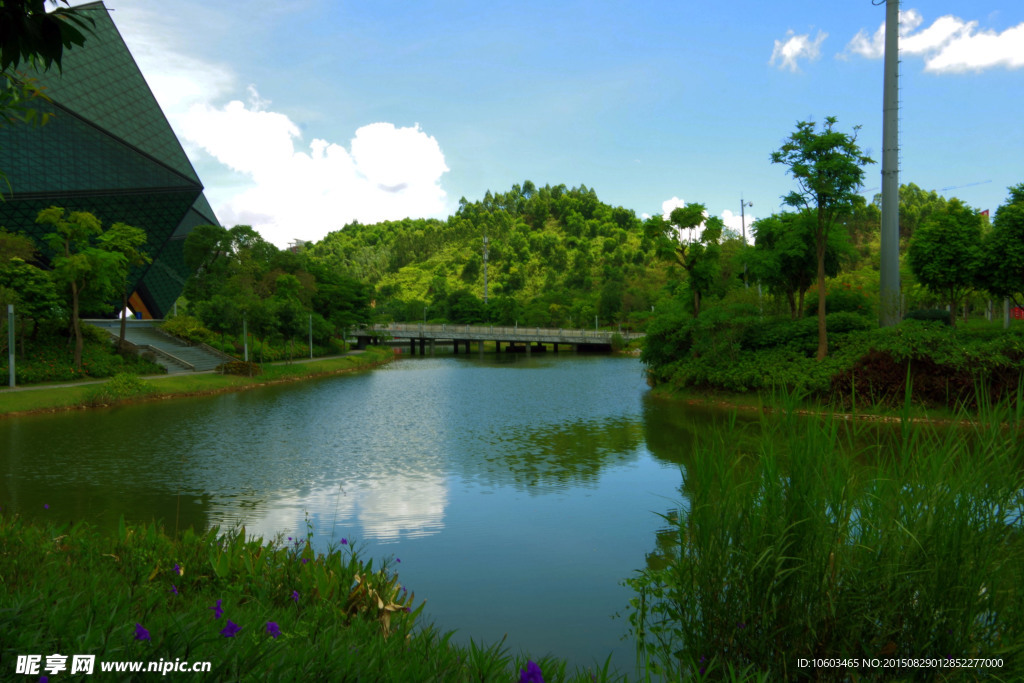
515 339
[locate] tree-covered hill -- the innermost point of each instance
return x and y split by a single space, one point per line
556 257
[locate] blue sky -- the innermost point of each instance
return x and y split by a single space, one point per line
301 116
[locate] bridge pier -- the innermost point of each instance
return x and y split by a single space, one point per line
431 347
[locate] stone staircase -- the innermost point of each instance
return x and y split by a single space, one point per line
174 354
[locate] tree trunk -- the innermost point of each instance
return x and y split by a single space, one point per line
952 311
792 304
76 325
696 304
800 305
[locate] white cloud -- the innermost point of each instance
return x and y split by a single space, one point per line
949 45
873 47
289 189
304 192
796 47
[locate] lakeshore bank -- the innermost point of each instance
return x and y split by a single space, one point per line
103 393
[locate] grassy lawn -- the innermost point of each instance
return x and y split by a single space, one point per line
90 394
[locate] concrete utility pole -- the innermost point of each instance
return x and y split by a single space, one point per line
743 224
889 281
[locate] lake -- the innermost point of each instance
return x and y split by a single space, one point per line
517 492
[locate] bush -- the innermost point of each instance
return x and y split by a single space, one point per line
188 328
240 368
842 298
121 387
937 315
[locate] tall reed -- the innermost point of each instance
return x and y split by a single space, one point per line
823 541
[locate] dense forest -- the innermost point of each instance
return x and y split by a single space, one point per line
556 257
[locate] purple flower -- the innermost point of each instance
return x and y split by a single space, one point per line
140 632
46 506
273 629
295 596
305 560
174 589
231 630
217 611
177 569
344 541
531 674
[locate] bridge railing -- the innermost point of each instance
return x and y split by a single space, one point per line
497 332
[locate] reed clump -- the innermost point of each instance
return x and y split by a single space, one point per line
828 544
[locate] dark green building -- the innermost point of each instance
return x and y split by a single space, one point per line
108 149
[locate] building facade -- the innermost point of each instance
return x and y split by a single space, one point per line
107 149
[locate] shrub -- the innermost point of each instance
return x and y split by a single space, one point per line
240 368
937 315
188 328
842 298
121 387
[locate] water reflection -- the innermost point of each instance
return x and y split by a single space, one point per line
521 483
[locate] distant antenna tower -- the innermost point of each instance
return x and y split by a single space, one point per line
889 281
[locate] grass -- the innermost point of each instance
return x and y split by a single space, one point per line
814 542
121 389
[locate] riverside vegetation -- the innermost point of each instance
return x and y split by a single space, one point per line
256 610
831 540
127 387
797 537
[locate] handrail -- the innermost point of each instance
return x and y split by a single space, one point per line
217 352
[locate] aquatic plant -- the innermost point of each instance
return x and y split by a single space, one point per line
817 545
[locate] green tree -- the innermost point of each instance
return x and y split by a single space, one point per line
78 263
828 168
32 292
1003 270
699 256
293 317
916 205
15 245
128 241
784 258
945 253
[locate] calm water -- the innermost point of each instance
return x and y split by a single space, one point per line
517 492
